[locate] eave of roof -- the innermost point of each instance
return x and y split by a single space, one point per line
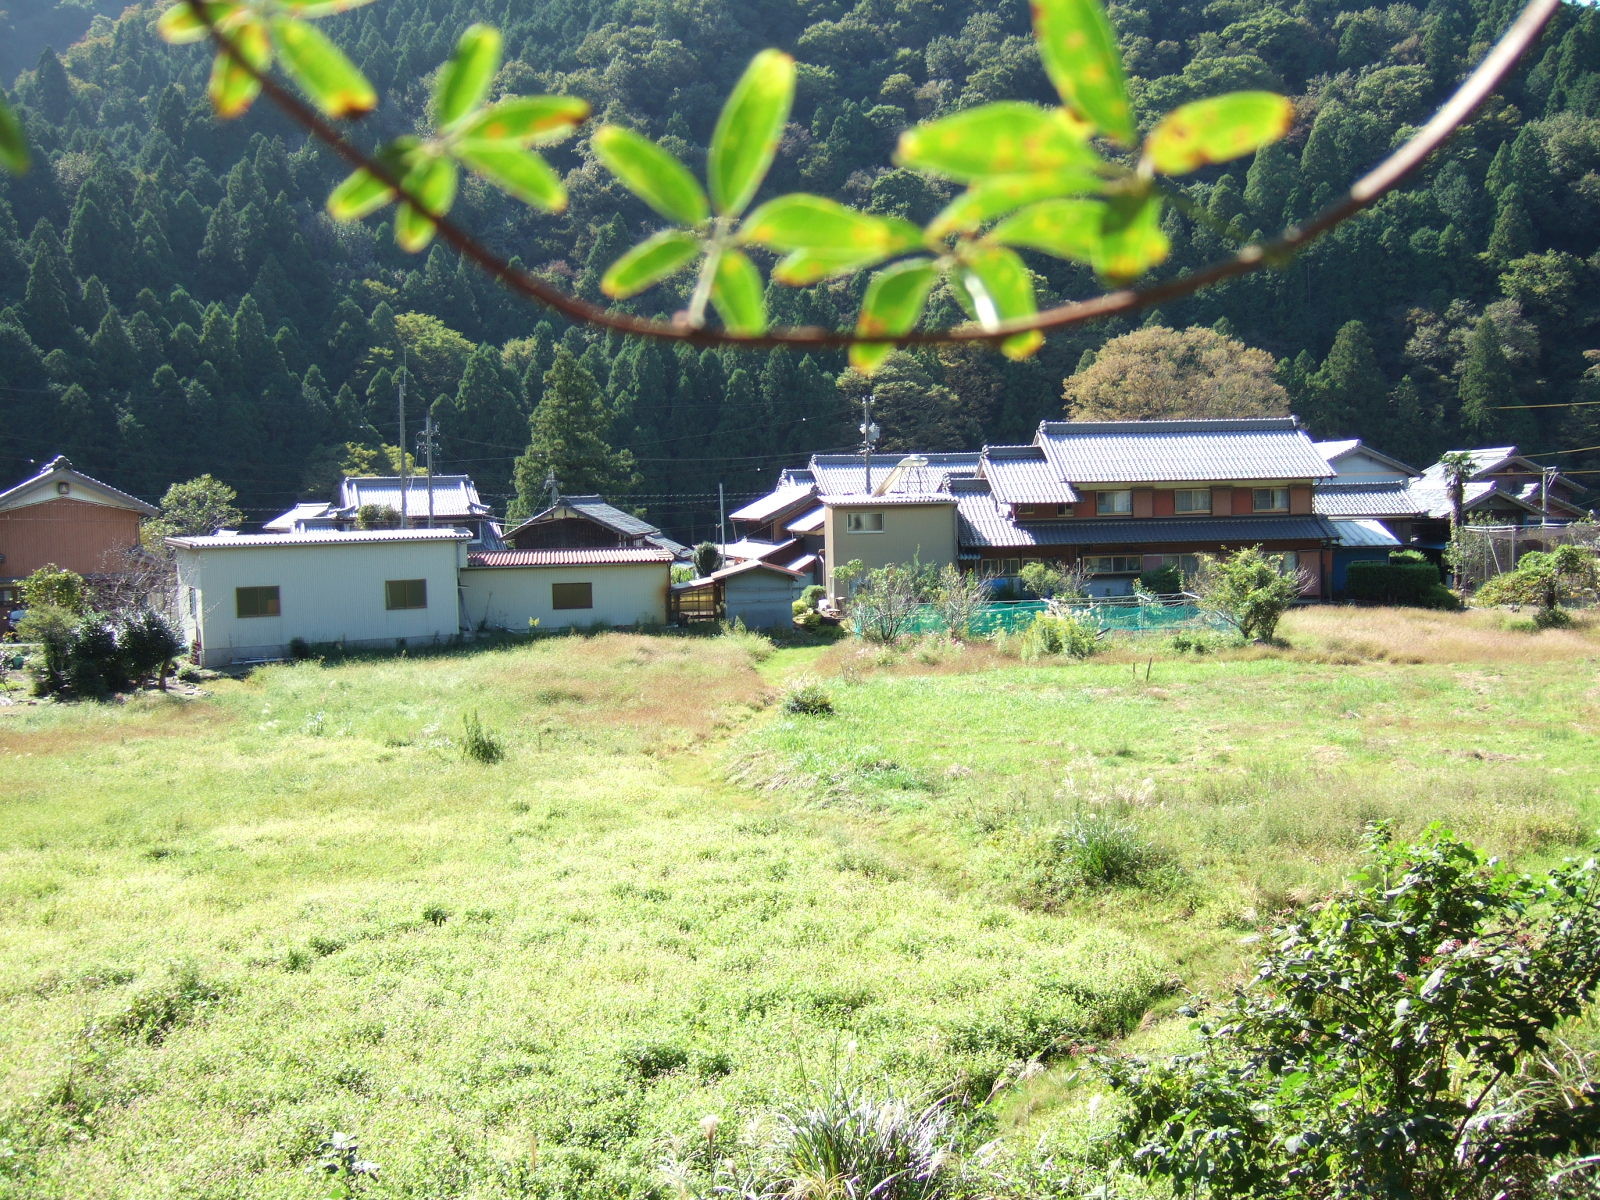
59 468
1135 452
331 537
608 556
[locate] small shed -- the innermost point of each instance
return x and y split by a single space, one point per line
574 588
760 594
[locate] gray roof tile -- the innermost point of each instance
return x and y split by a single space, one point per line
1181 451
1024 475
1365 498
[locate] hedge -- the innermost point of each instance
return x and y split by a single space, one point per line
1406 583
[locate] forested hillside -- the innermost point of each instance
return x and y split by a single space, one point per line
173 300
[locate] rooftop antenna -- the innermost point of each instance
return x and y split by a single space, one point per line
869 437
405 481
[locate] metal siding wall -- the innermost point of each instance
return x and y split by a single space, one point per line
509 597
79 536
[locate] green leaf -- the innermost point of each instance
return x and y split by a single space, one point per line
433 182
1131 239
1001 289
805 267
983 202
181 25
805 222
13 143
1081 57
894 302
321 68
528 120
1007 138
516 172
737 293
652 174
464 80
363 193
1068 229
748 131
1215 130
648 263
233 87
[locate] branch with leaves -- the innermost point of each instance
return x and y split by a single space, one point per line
1074 181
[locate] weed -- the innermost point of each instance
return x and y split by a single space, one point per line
806 696
339 1158
436 914
477 743
151 1015
1090 852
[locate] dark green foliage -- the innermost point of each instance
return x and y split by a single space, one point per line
148 643
1163 581
707 559
807 697
1412 584
478 743
1376 1050
1090 852
377 516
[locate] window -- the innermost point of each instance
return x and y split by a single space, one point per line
571 595
1113 564
1271 499
1189 564
257 601
1113 504
405 593
1191 500
863 522
995 568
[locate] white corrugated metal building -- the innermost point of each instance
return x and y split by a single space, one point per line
573 588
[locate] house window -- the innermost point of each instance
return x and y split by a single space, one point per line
1113 564
568 596
405 593
1188 564
1113 504
1191 500
1270 499
257 601
995 568
863 522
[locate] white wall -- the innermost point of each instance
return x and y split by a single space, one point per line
328 593
509 597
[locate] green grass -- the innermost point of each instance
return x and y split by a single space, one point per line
233 925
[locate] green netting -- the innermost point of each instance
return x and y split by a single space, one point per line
1112 616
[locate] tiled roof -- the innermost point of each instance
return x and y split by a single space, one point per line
454 496
1365 498
321 537
596 509
1334 451
1023 475
857 500
810 522
753 564
285 522
751 548
1363 533
774 504
1181 451
1430 495
842 474
61 466
604 556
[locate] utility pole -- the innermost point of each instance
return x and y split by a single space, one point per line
869 438
405 481
425 444
722 518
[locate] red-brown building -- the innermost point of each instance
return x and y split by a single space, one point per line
65 517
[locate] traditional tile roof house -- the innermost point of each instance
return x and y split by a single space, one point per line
65 517
1502 488
442 502
577 521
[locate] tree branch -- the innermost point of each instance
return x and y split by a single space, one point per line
1364 193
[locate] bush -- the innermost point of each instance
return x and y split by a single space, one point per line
707 559
1376 1050
1199 641
1091 852
1248 590
1050 581
149 643
55 587
886 600
807 697
1162 581
477 743
1052 633
1412 584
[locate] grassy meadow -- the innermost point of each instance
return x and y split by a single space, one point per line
238 922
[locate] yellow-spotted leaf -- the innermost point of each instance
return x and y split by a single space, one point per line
737 293
528 120
1215 130
893 305
748 131
648 263
180 25
362 192
319 8
805 222
516 172
1008 138
652 174
1080 54
321 68
1000 288
13 143
1069 229
464 80
1131 239
433 182
993 198
805 267
233 86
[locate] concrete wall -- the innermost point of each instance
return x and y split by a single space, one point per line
330 593
925 533
509 597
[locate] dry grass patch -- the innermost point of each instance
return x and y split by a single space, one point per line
1408 635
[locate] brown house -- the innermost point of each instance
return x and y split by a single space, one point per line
65 517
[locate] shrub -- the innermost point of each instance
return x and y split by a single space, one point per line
1413 584
886 600
1198 641
1089 853
477 743
807 697
1375 1050
94 662
55 587
813 595
378 516
707 559
1548 578
1162 581
1050 581
1248 590
1051 633
958 596
148 643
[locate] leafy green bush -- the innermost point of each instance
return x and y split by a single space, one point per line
1547 578
807 697
1162 581
1199 641
55 587
1089 853
1375 1050
1248 590
1412 584
477 743
148 643
1049 581
1050 634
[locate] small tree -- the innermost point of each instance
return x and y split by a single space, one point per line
1547 578
55 587
1375 1051
959 596
1248 590
377 516
148 643
194 508
1054 581
886 599
707 559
